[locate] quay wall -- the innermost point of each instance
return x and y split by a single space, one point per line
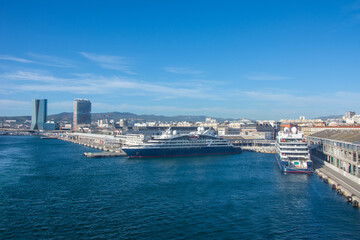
345 186
342 172
259 149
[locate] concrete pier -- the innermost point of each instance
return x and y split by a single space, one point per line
255 145
107 143
344 186
104 154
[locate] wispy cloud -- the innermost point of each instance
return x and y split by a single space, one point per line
353 7
92 84
110 62
351 17
182 70
15 59
51 61
40 59
168 110
61 105
30 76
10 105
350 99
266 77
268 96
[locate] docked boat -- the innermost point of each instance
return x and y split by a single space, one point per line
292 152
172 144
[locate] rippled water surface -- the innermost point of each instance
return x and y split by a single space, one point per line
49 190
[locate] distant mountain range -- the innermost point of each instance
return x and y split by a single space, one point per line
68 116
329 117
127 115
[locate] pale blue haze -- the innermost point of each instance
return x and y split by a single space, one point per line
255 59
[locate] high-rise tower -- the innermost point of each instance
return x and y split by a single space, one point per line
82 113
39 112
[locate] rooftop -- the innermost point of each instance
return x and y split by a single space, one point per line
350 136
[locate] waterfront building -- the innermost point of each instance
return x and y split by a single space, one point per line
349 114
123 123
210 120
210 124
225 130
51 125
339 150
39 114
267 129
356 119
82 114
301 120
184 124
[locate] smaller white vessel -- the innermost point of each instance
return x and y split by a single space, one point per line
292 152
172 144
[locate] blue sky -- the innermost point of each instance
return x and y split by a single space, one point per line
253 59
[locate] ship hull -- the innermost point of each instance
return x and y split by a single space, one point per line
286 169
179 152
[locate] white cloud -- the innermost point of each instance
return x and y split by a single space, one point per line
7 104
182 70
91 84
266 77
268 96
40 59
110 62
29 76
62 106
338 99
15 59
354 6
167 110
51 61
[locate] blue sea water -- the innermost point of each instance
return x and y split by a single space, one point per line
49 190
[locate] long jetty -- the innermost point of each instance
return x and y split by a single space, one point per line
109 144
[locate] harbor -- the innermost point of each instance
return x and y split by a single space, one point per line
111 147
107 197
161 120
113 143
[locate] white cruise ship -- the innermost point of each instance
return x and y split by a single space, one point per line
172 144
292 152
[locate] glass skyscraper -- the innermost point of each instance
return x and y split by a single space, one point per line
39 113
82 113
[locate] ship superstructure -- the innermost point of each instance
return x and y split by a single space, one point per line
172 144
292 152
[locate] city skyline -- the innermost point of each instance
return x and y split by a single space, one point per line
257 60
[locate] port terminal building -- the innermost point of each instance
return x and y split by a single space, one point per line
339 150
